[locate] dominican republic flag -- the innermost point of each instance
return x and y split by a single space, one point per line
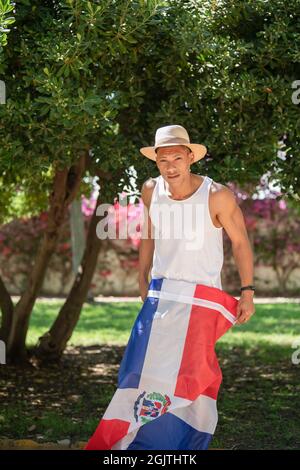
169 376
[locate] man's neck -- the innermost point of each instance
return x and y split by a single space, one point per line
184 188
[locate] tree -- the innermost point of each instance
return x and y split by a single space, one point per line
257 62
95 79
60 101
237 78
215 77
6 7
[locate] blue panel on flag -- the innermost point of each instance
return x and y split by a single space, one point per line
169 432
132 363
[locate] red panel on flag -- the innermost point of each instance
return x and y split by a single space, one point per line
107 434
213 389
213 294
199 365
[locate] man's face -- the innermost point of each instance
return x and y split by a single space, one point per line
174 162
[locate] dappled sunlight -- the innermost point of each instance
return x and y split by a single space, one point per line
260 387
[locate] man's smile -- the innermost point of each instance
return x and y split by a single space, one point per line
173 176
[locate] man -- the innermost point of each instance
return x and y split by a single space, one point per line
169 377
174 161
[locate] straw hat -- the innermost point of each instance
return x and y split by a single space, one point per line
173 135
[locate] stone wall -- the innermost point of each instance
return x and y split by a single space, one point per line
272 225
117 274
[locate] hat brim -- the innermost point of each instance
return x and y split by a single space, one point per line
198 150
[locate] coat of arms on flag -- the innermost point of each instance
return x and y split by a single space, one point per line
169 376
150 406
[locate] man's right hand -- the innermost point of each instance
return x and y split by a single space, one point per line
144 289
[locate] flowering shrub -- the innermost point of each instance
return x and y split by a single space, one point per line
127 220
273 227
19 241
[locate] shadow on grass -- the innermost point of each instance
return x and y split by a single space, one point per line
258 403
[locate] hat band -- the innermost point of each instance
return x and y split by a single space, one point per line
172 140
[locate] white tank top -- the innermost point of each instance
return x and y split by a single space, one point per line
175 257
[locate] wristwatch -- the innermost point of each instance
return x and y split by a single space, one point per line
250 287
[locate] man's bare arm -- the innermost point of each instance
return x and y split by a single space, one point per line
231 217
146 248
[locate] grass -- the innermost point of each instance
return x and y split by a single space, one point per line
258 403
50 426
111 323
101 323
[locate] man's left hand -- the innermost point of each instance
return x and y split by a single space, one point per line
245 308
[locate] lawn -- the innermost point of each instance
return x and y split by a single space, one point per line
259 399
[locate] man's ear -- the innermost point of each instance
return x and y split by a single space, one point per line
192 156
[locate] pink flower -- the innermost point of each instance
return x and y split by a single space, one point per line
64 246
6 251
105 273
88 205
282 205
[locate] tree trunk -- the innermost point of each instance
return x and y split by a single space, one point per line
21 316
66 185
283 274
7 308
52 344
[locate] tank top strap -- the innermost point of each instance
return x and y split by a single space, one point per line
155 193
160 186
208 183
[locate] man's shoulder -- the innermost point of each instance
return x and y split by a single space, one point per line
147 189
221 194
217 188
149 183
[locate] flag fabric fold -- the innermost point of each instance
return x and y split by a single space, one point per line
169 376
